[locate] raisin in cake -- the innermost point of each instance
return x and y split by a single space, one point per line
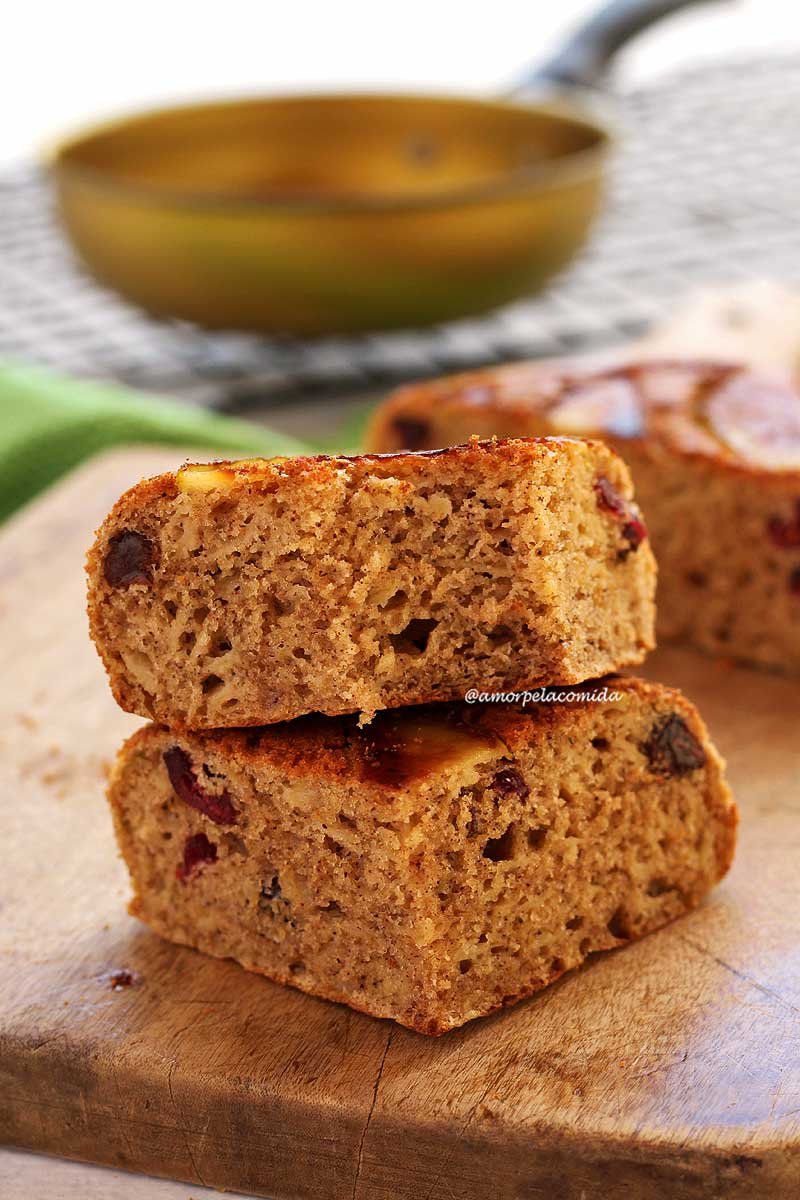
436 864
247 593
714 452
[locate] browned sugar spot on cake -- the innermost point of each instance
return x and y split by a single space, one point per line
610 402
672 749
218 808
757 418
197 852
399 750
634 530
410 433
130 558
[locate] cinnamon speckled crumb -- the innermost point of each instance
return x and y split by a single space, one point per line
275 588
714 451
439 863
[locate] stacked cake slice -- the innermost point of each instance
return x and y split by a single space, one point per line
427 863
714 451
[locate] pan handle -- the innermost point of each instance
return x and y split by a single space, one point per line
583 59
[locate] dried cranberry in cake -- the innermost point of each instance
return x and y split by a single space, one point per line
129 559
430 898
197 852
608 498
411 433
714 452
510 783
794 582
400 548
672 749
783 533
634 530
217 808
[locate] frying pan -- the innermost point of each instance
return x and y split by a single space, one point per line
330 214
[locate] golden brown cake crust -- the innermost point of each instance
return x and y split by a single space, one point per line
441 865
714 451
266 474
231 594
717 411
398 747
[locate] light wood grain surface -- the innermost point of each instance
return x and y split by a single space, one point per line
667 1071
25 1176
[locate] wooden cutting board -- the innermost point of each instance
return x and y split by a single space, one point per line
666 1071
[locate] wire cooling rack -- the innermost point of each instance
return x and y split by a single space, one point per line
705 189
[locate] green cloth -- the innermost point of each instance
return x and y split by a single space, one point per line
49 424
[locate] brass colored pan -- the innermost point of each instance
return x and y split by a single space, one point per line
333 213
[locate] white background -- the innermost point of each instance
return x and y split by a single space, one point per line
69 62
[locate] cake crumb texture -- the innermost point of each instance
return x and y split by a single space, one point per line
436 865
714 452
240 594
